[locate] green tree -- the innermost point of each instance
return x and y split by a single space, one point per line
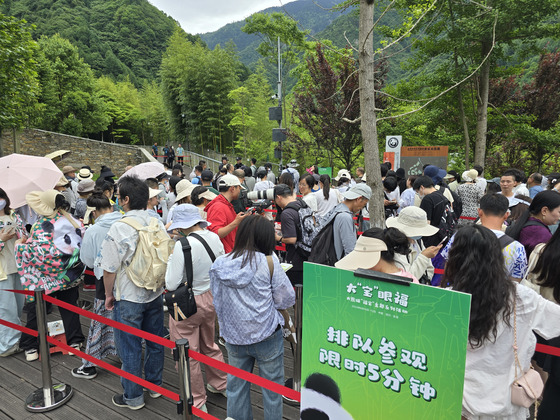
69 102
18 77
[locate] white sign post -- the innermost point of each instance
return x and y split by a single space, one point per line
393 144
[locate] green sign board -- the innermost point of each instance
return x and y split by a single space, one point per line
394 351
325 170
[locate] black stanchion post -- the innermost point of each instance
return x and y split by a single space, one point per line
295 382
184 406
48 397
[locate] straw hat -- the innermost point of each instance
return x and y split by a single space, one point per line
412 221
84 173
43 202
68 169
470 175
62 182
366 254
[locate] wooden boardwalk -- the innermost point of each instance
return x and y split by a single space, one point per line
92 398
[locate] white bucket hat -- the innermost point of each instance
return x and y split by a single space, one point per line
412 221
366 254
186 216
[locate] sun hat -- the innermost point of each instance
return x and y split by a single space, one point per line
43 202
366 254
343 173
470 175
412 221
209 195
86 186
229 180
106 172
357 191
84 173
293 164
68 169
435 173
186 216
62 182
153 192
185 192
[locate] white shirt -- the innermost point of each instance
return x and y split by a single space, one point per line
481 183
324 206
201 262
311 201
263 185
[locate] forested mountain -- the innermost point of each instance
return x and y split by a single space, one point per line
117 38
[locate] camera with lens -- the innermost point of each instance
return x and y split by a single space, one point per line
261 195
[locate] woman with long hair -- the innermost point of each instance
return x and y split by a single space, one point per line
11 304
500 311
327 197
532 227
249 287
100 341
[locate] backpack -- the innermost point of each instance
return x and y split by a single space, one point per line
322 248
505 240
510 228
457 203
149 262
307 228
448 222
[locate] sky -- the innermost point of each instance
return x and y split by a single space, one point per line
200 16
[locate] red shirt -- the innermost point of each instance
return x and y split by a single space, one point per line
220 213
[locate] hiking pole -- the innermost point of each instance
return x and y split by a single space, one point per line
48 397
184 405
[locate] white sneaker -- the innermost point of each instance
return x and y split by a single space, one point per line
31 355
12 350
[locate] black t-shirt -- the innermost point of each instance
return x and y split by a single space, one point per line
434 205
290 221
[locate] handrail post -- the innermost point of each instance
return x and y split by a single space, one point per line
184 406
48 397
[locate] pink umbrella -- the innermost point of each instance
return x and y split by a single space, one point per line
20 174
145 170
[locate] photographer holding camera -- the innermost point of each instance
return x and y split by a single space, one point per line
286 199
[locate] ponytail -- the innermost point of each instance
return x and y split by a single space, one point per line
326 181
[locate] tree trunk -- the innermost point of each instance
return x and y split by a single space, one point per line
368 115
482 108
465 128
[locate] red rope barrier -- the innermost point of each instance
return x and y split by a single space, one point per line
544 348
468 218
21 328
248 376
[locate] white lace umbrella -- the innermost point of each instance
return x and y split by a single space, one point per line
145 170
20 174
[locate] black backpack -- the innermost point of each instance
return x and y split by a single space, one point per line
510 228
457 202
448 222
307 228
322 248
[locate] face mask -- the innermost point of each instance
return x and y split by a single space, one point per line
2 204
415 238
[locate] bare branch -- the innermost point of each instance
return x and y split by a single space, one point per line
456 84
357 120
349 43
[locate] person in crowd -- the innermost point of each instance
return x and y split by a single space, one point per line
106 174
100 341
85 188
492 215
63 186
11 304
507 184
49 259
360 172
238 162
171 157
532 227
344 230
263 183
198 328
224 162
452 180
180 154
306 185
390 202
221 214
407 196
291 227
200 197
153 202
249 287
84 173
493 186
249 178
553 182
241 203
413 223
253 167
293 172
132 305
534 184
155 151
544 266
183 189
520 183
503 314
206 177
270 175
327 197
197 173
395 242
343 180
433 202
521 205
436 175
171 196
480 180
401 179
470 194
70 174
287 179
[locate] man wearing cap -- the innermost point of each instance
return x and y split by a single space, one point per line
224 162
344 230
493 212
291 169
291 230
135 306
239 162
436 175
220 211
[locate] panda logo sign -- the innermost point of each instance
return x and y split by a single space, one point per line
393 142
